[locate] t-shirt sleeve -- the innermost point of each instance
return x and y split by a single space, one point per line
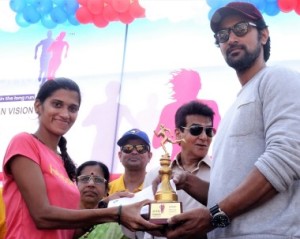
22 144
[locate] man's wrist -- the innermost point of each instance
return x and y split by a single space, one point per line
219 218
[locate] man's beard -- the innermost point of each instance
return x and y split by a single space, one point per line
246 61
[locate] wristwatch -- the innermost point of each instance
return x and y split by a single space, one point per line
219 218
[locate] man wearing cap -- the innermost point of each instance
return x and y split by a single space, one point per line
135 155
254 186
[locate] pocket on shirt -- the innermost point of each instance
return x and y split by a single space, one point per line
244 119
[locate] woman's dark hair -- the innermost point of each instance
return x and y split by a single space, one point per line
46 90
103 167
50 86
193 107
68 162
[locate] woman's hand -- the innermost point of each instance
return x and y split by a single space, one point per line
131 218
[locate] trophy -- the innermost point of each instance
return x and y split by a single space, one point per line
166 202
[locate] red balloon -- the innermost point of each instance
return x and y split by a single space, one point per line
82 2
287 5
83 15
110 14
297 8
136 10
95 6
100 21
125 17
120 5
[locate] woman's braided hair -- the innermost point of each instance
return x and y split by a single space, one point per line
68 162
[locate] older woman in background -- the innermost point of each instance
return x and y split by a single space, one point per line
92 179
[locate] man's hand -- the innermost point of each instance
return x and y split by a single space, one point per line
191 184
191 224
180 178
155 183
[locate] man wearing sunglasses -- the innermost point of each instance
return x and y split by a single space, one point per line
254 189
194 127
135 155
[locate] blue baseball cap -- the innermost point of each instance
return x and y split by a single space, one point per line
134 134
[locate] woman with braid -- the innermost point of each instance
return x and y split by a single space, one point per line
40 193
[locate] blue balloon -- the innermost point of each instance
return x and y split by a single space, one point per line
272 9
59 3
32 2
17 5
44 6
58 15
261 5
217 3
31 15
213 3
71 6
47 22
73 20
21 21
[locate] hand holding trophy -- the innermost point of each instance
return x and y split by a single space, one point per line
166 204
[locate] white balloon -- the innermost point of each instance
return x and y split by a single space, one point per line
175 10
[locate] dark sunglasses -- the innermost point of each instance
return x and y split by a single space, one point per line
240 29
140 148
196 130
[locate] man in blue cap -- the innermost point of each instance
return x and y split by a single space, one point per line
135 154
254 187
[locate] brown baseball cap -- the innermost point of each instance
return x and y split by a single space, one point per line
245 9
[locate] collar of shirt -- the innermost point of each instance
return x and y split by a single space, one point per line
178 162
122 186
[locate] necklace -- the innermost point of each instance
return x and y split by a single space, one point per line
35 136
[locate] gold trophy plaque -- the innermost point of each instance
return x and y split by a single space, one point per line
166 204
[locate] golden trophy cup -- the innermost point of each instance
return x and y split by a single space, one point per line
166 204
